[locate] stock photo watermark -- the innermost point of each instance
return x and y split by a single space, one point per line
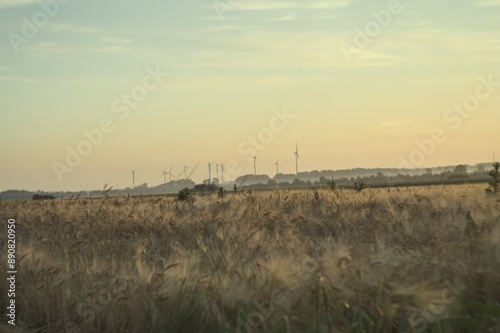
221 7
32 26
97 301
363 37
453 116
265 311
11 271
436 309
258 142
265 136
95 136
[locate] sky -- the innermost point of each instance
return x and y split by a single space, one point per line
90 90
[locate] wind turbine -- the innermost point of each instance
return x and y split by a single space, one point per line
222 172
184 171
254 165
217 170
133 178
164 174
277 165
170 174
209 171
296 159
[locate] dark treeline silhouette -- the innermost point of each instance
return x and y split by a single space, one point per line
205 188
43 197
315 178
371 177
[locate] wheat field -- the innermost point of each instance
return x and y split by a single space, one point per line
382 260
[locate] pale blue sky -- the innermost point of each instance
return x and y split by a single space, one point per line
227 76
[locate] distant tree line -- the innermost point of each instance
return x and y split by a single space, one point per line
342 178
43 197
458 174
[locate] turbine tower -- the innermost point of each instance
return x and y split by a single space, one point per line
217 170
185 172
296 159
209 171
222 172
133 178
254 165
277 165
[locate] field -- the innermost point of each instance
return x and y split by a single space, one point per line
382 260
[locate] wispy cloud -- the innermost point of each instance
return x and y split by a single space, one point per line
17 79
240 82
396 123
70 28
16 3
60 48
271 5
289 17
116 40
446 81
251 47
315 10
436 44
487 3
408 127
376 59
260 50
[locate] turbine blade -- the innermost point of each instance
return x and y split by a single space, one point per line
194 169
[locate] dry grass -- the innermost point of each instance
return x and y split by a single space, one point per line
274 261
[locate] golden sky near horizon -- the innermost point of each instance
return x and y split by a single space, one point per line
91 90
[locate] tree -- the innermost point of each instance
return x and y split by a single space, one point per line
359 186
143 186
331 184
222 192
495 179
323 180
460 170
43 197
205 188
184 194
297 182
271 183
